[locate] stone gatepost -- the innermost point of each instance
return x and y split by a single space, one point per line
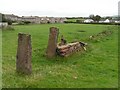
52 42
24 54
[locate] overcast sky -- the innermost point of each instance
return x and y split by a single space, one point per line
61 8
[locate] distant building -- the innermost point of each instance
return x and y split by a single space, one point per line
35 19
11 17
101 21
62 20
29 18
88 21
52 20
107 21
44 20
117 21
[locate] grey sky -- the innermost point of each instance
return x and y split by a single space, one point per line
59 7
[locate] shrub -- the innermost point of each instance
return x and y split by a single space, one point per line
27 22
11 28
69 22
24 22
79 21
21 23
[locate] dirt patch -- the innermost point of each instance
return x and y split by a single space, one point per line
81 31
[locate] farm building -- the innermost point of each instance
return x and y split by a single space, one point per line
107 21
88 21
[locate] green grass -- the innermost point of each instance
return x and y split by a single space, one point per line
95 68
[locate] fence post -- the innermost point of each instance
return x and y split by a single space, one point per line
52 42
24 54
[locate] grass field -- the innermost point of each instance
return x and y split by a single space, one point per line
95 68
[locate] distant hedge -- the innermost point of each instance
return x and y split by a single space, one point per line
103 23
92 23
69 22
24 23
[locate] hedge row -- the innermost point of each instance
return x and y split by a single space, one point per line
93 23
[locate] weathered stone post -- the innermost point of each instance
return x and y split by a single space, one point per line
24 54
52 42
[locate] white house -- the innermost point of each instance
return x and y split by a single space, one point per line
101 21
107 21
88 21
117 21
